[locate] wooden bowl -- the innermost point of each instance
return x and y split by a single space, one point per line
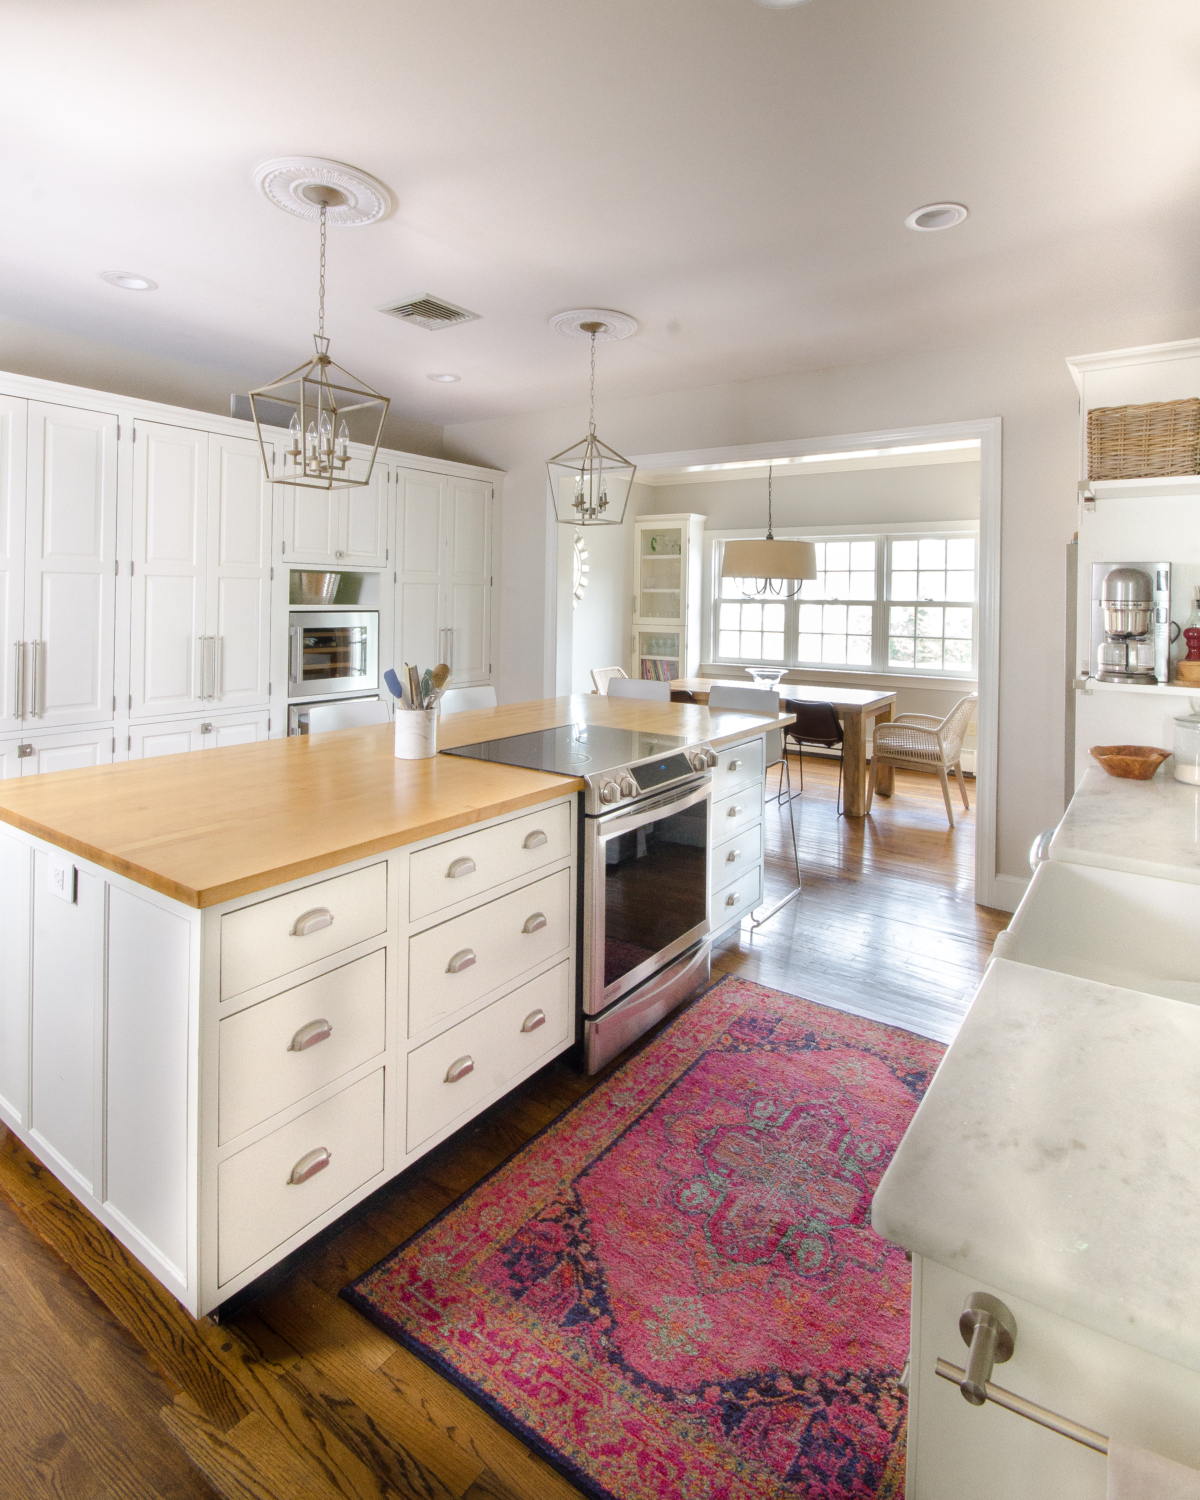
1134 762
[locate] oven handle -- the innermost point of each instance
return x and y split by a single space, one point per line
622 819
294 654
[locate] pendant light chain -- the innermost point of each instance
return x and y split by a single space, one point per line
321 286
592 396
770 477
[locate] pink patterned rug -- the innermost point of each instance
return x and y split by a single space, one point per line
674 1292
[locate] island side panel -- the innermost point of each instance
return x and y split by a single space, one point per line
16 935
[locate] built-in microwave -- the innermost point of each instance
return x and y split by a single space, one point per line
332 651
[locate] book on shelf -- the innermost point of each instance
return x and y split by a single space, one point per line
660 668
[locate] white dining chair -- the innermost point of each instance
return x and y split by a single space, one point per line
921 742
325 716
459 700
639 687
602 676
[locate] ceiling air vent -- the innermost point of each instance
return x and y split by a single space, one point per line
430 312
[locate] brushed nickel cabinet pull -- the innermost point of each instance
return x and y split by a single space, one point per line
734 854
309 1165
535 923
735 812
533 1020
534 840
459 1069
310 1035
733 899
734 765
463 959
312 921
460 867
19 681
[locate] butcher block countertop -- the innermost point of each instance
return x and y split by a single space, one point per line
212 825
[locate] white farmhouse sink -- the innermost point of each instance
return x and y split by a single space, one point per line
1135 931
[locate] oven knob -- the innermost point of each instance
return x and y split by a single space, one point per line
698 761
628 787
610 792
710 758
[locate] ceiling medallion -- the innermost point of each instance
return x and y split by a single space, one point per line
581 476
575 323
293 182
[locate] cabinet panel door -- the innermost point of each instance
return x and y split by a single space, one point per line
70 559
420 593
365 511
310 525
13 417
419 635
468 560
175 738
68 752
239 571
170 506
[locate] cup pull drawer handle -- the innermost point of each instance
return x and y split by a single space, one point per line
458 867
735 812
534 840
734 854
309 1165
310 1035
733 899
533 1020
312 921
459 1069
734 765
463 959
535 923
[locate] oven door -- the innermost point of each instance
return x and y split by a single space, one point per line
645 889
334 651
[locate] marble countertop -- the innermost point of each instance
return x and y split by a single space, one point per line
1145 827
1054 1155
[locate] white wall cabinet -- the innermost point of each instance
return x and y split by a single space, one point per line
338 528
201 572
176 736
666 611
443 590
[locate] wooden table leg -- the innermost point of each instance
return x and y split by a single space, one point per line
885 777
854 769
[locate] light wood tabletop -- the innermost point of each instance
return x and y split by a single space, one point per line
853 706
210 825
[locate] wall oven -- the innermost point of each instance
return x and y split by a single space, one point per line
332 652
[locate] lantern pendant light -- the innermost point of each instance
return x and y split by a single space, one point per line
590 481
323 396
777 568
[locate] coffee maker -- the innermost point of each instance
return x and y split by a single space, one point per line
1131 622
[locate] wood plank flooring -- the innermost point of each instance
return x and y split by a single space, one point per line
107 1389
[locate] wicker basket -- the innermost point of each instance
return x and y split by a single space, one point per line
1144 442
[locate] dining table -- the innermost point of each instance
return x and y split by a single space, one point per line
855 708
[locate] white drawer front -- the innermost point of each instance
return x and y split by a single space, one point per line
442 1088
258 1207
735 901
460 868
732 814
734 858
262 942
737 767
455 963
278 1051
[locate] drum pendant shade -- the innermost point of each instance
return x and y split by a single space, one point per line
769 559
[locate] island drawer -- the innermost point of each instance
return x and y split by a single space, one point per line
279 1051
738 766
454 1074
732 814
736 900
736 856
460 868
461 960
285 933
271 1190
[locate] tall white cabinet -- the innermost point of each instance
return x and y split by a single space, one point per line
666 610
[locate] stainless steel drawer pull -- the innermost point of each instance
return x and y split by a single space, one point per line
535 923
309 1165
459 867
734 765
312 921
463 959
732 900
310 1035
533 1020
732 856
534 840
735 812
459 1069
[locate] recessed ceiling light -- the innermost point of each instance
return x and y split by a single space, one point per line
444 379
936 216
129 281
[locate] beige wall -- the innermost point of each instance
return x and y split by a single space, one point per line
1023 380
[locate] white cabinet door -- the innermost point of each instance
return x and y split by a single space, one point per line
238 589
13 417
70 562
363 523
66 752
467 533
420 549
177 736
170 541
310 525
15 912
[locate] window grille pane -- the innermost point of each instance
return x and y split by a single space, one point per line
835 619
929 622
932 552
773 616
904 555
902 621
858 650
772 646
810 617
752 616
833 649
729 617
960 585
931 585
862 584
858 619
960 553
810 647
862 555
958 654
837 585
837 556
958 624
900 651
904 585
929 653
729 643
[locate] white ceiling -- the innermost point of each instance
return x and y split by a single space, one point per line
734 177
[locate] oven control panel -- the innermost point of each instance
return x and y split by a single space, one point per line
622 784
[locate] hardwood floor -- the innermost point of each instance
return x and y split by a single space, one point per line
108 1388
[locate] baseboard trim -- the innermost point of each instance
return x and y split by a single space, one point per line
1007 891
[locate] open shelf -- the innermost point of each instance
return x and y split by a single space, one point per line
1141 489
1092 685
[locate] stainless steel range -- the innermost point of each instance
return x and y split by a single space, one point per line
647 825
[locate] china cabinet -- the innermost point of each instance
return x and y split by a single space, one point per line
666 609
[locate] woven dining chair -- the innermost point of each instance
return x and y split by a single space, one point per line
817 724
602 676
920 742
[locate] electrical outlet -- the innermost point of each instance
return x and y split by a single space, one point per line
60 877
